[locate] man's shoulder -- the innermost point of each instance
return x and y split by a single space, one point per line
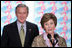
10 25
30 23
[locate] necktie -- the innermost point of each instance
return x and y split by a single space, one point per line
22 35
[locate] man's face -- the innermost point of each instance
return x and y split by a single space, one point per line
21 14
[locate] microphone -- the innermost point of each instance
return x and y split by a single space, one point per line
56 37
53 40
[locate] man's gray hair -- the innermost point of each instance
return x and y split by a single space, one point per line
22 5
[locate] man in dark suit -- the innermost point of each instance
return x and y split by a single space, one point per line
11 33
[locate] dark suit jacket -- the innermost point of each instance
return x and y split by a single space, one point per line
11 38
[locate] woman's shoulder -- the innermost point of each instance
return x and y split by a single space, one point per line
62 42
39 36
38 41
61 38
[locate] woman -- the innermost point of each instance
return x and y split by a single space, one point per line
49 38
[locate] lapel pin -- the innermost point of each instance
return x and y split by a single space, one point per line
29 29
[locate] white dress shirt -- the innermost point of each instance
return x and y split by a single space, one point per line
19 26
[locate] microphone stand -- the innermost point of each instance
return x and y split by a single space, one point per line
53 43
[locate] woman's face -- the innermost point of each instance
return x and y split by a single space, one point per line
49 26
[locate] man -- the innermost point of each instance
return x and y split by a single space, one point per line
13 32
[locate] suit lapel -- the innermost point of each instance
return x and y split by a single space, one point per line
28 34
17 33
27 31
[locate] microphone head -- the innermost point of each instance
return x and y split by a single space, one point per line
49 36
56 37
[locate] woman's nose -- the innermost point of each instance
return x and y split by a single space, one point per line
49 26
